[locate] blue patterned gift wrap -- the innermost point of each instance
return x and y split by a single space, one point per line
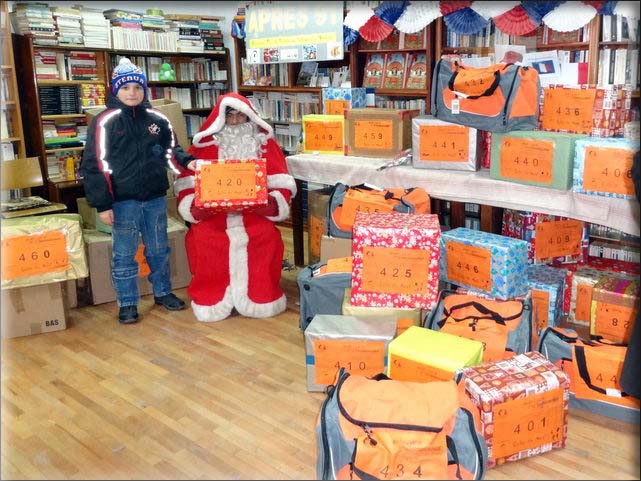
507 258
623 172
355 96
550 280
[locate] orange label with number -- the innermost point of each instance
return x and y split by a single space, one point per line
468 265
403 369
527 159
614 322
395 271
540 308
316 231
365 358
568 109
527 423
608 170
444 143
373 134
558 238
30 255
220 181
336 107
324 136
143 267
353 203
403 325
339 264
583 302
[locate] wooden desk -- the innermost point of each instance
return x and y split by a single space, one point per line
458 186
47 209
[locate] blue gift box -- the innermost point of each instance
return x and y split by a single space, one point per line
547 284
355 96
491 263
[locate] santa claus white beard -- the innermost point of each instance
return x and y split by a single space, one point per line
238 142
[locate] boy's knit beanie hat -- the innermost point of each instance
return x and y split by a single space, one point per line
126 72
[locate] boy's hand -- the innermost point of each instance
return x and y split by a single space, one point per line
106 216
192 165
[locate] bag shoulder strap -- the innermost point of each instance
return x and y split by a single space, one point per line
582 366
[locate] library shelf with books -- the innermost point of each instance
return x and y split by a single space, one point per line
55 127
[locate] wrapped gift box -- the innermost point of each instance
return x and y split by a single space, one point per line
378 132
232 184
523 403
486 148
547 284
317 201
42 250
583 282
396 258
487 262
411 315
557 248
336 100
586 109
424 355
358 344
442 145
534 157
324 134
615 303
604 167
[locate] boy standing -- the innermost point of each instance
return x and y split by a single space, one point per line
124 168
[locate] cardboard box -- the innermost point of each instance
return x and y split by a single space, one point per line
564 240
324 134
437 144
604 167
533 157
336 100
378 132
523 403
90 217
396 258
411 315
424 355
547 284
317 202
357 344
334 247
614 308
70 293
99 253
482 261
32 310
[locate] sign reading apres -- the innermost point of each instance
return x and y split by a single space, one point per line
285 32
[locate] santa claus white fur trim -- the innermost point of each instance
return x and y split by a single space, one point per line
283 207
183 183
219 122
214 313
184 209
282 181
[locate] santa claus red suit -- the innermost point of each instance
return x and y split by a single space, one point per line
235 258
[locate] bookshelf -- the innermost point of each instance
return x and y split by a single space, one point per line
195 94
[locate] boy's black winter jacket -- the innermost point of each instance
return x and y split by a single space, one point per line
126 155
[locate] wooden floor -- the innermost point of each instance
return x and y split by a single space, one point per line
172 398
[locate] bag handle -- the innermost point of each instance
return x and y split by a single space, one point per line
489 91
581 364
483 310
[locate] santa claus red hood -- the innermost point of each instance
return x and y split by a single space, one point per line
216 120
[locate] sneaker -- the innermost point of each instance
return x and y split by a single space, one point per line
128 315
170 302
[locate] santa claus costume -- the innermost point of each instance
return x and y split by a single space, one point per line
235 258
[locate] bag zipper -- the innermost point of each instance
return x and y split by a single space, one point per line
324 440
509 94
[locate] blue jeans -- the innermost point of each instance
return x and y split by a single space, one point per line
149 219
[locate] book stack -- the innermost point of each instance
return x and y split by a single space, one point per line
124 18
211 34
69 27
154 22
92 95
63 165
36 20
82 66
188 29
95 28
59 100
47 65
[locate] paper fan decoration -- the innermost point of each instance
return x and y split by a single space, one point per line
417 15
626 9
349 36
358 16
537 10
465 22
390 11
449 7
515 22
569 16
489 10
375 29
596 5
609 7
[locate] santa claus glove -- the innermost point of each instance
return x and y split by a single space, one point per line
201 214
269 210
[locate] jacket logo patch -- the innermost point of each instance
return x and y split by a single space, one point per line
120 132
154 129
